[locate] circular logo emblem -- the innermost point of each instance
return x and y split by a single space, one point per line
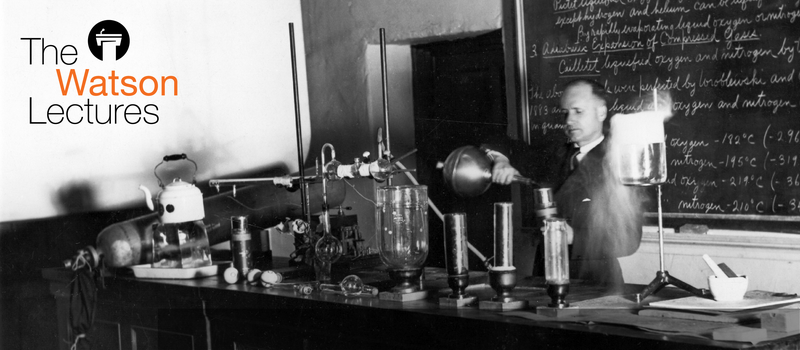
109 40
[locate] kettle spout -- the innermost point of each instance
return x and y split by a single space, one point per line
148 197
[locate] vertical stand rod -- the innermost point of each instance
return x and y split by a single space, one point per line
326 218
522 71
660 232
385 79
298 123
307 200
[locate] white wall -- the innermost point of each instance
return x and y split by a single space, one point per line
234 111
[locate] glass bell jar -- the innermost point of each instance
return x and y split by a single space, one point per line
401 216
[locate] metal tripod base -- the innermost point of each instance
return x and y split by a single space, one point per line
662 279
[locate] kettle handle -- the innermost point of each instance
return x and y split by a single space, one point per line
172 157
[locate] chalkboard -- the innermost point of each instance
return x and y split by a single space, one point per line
731 69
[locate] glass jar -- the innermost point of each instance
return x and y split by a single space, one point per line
181 245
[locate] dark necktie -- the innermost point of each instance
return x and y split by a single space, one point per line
573 160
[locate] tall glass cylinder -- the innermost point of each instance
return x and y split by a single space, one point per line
401 216
556 254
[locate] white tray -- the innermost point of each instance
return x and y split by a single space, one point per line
753 299
146 271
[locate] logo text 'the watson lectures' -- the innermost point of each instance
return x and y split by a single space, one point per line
108 42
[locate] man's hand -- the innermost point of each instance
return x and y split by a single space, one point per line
502 171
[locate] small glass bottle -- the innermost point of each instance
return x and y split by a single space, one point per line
240 245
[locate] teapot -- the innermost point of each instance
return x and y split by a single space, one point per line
179 201
181 239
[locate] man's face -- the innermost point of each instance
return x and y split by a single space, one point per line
584 114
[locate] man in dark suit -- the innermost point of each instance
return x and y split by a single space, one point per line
604 216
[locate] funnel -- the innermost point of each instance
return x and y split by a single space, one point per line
468 172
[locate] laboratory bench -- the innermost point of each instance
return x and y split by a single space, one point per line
208 313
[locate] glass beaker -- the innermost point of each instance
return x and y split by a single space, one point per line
641 152
643 164
556 254
181 245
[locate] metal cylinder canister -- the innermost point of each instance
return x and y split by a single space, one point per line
455 232
544 204
455 235
503 236
240 245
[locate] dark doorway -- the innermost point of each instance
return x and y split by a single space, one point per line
459 99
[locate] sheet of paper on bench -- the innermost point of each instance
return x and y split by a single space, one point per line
753 299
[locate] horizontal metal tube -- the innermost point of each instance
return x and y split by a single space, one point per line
254 181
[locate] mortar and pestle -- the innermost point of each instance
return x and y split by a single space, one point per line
725 285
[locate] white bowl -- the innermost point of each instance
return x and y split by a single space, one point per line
727 289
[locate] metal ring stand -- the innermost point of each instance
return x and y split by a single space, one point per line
663 277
